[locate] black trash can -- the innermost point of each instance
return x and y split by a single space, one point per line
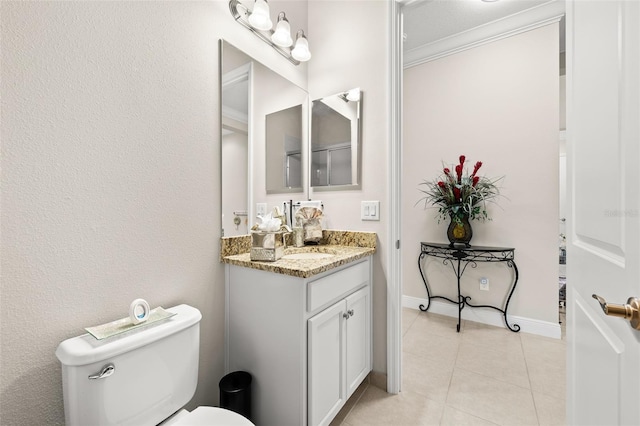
235 393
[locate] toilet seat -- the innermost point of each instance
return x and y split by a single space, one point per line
208 416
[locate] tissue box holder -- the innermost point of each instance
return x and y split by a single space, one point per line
267 246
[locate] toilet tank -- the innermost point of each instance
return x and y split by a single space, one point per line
155 372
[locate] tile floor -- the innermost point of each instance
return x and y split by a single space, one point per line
483 375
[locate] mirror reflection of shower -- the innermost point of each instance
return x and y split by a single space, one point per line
336 139
284 150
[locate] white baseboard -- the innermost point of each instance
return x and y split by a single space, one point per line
487 316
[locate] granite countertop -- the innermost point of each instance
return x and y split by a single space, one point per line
304 268
344 247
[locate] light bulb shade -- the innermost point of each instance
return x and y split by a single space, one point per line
259 18
353 95
301 51
282 35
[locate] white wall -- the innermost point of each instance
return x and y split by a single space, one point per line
110 177
353 53
497 103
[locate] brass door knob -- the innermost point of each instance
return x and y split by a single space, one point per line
629 311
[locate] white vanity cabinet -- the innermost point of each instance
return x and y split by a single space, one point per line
305 341
339 355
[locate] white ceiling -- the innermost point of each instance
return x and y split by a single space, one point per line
426 21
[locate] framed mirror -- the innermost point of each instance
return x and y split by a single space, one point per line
264 138
336 141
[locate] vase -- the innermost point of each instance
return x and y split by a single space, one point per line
459 232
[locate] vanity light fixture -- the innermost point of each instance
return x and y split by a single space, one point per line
301 49
352 95
259 18
259 22
282 34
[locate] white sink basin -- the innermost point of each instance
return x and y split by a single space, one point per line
307 256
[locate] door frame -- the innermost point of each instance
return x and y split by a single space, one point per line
542 15
394 154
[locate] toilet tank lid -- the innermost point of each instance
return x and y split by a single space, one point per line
86 349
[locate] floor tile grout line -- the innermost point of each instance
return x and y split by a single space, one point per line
457 368
497 378
355 403
526 363
446 399
468 413
450 376
465 371
460 370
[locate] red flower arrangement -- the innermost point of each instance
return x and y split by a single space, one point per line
458 194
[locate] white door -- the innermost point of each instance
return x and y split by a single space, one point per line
358 335
603 94
326 364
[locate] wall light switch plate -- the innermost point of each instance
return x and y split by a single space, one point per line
261 209
370 210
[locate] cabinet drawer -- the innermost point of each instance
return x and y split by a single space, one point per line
324 290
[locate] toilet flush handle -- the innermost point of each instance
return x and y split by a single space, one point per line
106 371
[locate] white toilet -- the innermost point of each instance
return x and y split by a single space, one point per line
141 377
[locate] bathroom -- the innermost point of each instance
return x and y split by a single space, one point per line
111 169
111 181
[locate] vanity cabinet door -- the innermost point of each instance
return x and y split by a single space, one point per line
326 363
358 339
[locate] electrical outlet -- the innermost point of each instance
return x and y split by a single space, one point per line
261 209
484 284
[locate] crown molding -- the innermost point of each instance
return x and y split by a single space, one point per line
527 20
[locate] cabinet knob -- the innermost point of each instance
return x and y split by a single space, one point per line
347 314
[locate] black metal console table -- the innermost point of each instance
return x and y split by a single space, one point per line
461 257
